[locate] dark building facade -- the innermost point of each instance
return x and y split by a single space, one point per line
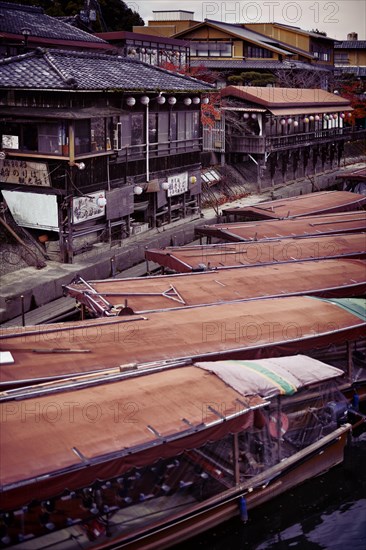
97 147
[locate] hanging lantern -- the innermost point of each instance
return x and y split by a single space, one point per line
311 118
145 100
296 123
349 115
246 115
161 99
205 100
187 101
317 117
326 117
306 120
172 100
101 202
254 116
137 190
289 121
283 121
196 100
342 115
165 185
192 180
130 101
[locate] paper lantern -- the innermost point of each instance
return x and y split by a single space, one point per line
130 101
137 190
187 101
172 100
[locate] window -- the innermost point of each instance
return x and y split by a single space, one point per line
82 136
98 137
211 48
257 51
50 138
341 57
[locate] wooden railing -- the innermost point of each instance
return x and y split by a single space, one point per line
261 144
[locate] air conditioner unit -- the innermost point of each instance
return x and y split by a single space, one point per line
117 136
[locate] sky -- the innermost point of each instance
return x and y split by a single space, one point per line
336 18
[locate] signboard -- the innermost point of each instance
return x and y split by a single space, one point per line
178 184
88 207
34 210
119 202
22 172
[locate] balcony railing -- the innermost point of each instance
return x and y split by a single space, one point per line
267 144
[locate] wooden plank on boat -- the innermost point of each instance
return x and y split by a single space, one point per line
53 311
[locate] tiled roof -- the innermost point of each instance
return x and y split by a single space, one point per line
350 45
63 70
249 64
15 17
351 69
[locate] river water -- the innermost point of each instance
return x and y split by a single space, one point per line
328 512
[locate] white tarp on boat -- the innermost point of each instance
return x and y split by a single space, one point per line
269 377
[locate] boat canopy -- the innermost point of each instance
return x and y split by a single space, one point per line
202 258
101 430
307 226
326 278
304 205
64 439
237 330
274 376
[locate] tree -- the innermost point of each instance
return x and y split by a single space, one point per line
252 78
111 15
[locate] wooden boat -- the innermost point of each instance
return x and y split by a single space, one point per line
321 202
307 226
149 459
325 278
254 329
185 259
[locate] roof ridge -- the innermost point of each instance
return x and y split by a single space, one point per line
70 80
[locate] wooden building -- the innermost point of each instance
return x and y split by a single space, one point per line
97 147
160 51
286 133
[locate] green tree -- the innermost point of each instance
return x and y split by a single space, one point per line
252 78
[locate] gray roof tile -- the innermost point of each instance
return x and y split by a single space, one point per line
15 17
61 69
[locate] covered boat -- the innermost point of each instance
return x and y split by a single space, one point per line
307 226
326 278
321 202
185 259
254 329
149 459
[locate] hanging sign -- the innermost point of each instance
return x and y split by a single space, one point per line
22 172
178 184
88 207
